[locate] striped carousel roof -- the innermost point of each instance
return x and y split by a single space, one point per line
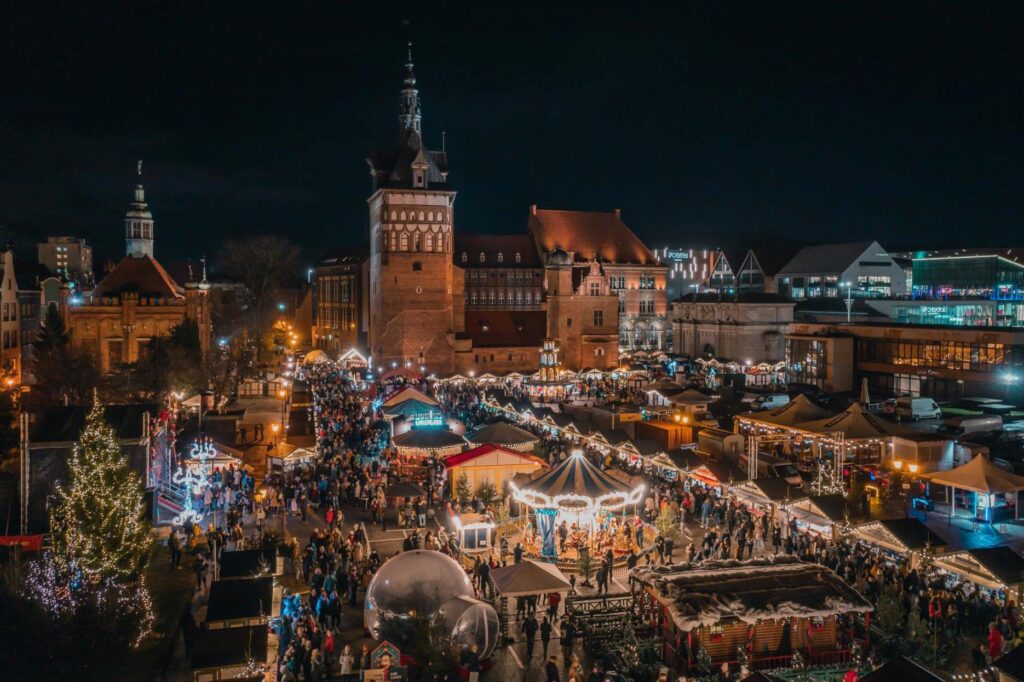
575 476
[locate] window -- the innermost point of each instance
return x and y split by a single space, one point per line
599 352
404 242
622 305
519 298
428 242
598 318
472 298
501 257
483 258
394 237
519 258
491 297
501 297
568 322
416 242
595 288
422 216
417 266
465 257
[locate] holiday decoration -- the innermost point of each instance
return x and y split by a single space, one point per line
194 479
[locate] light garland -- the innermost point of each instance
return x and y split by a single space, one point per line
195 479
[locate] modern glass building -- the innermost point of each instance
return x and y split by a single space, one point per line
983 276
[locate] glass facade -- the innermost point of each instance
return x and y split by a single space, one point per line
973 357
973 314
806 361
991 277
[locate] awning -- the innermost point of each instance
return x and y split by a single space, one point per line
527 578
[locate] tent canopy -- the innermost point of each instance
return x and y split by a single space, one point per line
855 423
690 396
428 439
979 475
502 433
797 411
528 577
575 476
408 393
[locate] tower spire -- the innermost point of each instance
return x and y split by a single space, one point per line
409 118
138 221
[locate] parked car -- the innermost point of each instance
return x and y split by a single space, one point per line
917 408
965 426
770 401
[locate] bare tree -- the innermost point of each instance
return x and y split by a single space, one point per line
262 263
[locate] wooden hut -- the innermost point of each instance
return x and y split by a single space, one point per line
768 607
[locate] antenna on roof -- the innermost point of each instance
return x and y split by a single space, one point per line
444 140
138 167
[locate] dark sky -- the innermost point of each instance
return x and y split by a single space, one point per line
705 123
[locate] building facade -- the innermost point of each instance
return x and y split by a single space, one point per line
68 257
502 272
136 302
746 327
857 269
338 310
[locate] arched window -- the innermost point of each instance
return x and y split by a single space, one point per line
416 242
501 297
403 215
483 258
519 258
428 242
465 256
394 215
430 216
421 216
501 257
394 240
404 242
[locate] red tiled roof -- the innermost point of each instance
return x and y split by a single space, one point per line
491 245
143 276
506 328
591 235
463 457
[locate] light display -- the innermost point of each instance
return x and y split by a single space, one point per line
194 479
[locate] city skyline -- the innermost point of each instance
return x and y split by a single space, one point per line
714 130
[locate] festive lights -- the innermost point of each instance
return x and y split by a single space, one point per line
194 479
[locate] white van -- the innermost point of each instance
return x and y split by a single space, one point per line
917 408
965 426
770 401
770 466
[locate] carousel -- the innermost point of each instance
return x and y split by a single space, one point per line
576 506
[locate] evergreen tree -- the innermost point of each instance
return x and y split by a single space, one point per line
97 518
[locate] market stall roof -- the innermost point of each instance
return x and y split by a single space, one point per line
428 439
771 588
528 577
1011 665
228 647
232 599
405 489
664 386
905 670
994 567
855 424
491 455
979 475
575 476
690 396
408 393
410 408
315 356
797 411
778 489
831 507
898 535
247 563
502 433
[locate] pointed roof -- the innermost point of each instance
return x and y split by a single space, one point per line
428 439
690 396
492 455
979 475
408 393
502 433
142 275
528 577
590 235
797 411
855 423
575 476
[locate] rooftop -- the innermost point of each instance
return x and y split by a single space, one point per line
590 235
143 276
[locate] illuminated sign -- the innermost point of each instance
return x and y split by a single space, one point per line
933 310
431 419
677 255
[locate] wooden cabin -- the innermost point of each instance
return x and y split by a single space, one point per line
769 608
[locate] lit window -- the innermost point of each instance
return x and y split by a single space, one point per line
465 257
519 258
483 258
501 257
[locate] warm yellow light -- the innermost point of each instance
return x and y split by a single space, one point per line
686 420
275 427
913 468
897 464
676 417
9 382
280 394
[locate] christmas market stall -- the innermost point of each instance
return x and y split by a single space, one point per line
239 603
525 579
995 569
505 435
475 532
825 515
283 458
981 489
422 443
907 670
250 563
758 613
232 654
900 539
489 464
767 495
582 497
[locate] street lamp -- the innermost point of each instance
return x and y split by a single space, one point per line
849 299
275 427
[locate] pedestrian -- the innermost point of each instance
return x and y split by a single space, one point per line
529 628
545 635
552 670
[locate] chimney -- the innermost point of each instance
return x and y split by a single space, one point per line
533 209
618 213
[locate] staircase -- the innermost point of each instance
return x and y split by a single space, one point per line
170 500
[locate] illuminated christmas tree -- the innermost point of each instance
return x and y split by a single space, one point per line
97 518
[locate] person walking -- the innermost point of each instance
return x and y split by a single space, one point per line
551 669
545 635
529 629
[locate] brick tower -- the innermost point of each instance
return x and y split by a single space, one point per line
415 291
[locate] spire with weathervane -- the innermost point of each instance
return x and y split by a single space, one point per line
138 222
409 118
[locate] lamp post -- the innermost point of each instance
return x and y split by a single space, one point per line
849 299
275 427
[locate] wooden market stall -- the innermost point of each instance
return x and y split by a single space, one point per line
249 563
489 463
993 568
232 653
240 603
903 539
768 608
825 515
766 495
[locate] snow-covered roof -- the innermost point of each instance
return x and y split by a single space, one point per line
769 588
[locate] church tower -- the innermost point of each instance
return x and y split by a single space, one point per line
415 291
138 223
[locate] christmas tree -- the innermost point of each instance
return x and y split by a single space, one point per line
97 519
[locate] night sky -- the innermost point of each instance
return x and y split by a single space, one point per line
723 125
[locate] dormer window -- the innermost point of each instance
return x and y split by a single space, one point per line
483 258
501 257
418 179
519 258
465 257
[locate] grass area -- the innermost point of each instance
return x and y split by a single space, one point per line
169 591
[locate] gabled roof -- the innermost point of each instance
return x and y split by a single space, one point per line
141 275
979 475
799 410
590 235
828 258
528 577
508 245
392 166
492 455
904 670
856 424
502 433
428 439
408 393
899 534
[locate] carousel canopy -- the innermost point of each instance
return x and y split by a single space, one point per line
797 411
528 577
979 475
502 433
408 393
855 423
576 477
760 589
428 439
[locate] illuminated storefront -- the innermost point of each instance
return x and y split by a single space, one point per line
988 277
